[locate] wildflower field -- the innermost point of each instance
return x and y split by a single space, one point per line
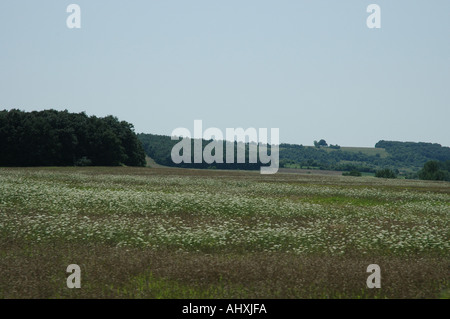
179 233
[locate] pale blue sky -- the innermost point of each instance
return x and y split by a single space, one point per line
310 68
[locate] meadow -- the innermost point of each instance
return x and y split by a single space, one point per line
180 233
370 151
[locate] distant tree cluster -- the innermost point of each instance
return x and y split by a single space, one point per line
60 138
386 173
321 143
159 148
414 154
435 171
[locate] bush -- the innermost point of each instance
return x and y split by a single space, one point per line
84 161
386 173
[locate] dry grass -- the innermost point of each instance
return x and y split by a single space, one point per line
38 271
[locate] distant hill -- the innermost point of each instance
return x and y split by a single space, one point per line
415 153
404 157
159 148
365 150
60 138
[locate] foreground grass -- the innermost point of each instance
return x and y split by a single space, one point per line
169 233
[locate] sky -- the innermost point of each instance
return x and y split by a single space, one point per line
313 69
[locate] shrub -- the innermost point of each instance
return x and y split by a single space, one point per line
84 161
386 173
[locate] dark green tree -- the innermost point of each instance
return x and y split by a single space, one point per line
435 170
60 138
322 143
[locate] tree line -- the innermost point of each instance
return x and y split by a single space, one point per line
414 154
401 156
60 138
159 148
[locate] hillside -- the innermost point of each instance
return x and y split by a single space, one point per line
365 150
404 157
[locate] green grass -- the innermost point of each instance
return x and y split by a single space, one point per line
146 285
370 151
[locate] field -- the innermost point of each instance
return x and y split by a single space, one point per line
176 233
